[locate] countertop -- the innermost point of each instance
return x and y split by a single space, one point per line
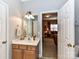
26 41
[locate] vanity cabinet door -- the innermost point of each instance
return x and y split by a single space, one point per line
24 52
16 54
29 54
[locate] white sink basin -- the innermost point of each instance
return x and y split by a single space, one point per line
26 41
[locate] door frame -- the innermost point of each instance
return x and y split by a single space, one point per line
7 26
40 21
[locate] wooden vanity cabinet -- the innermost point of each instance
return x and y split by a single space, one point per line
24 52
29 54
16 54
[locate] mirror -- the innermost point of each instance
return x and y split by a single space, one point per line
30 26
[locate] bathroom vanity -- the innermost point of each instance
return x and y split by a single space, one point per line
26 46
25 49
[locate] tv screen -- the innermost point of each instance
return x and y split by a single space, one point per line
53 27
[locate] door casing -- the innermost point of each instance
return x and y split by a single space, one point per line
40 21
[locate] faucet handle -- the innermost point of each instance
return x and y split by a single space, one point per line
34 36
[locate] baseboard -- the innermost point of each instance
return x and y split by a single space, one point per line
40 56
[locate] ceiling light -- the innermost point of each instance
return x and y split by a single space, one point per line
47 16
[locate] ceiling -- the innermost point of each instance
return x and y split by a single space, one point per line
24 0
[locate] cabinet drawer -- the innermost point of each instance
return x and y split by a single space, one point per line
31 48
14 46
22 46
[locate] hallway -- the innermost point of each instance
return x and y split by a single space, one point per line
50 51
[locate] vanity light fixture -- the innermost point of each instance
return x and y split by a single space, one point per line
29 15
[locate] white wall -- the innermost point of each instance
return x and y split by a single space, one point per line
15 17
77 21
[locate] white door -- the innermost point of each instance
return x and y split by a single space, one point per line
3 31
66 35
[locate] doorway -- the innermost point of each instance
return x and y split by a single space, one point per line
49 35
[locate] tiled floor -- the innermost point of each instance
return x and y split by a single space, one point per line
49 49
